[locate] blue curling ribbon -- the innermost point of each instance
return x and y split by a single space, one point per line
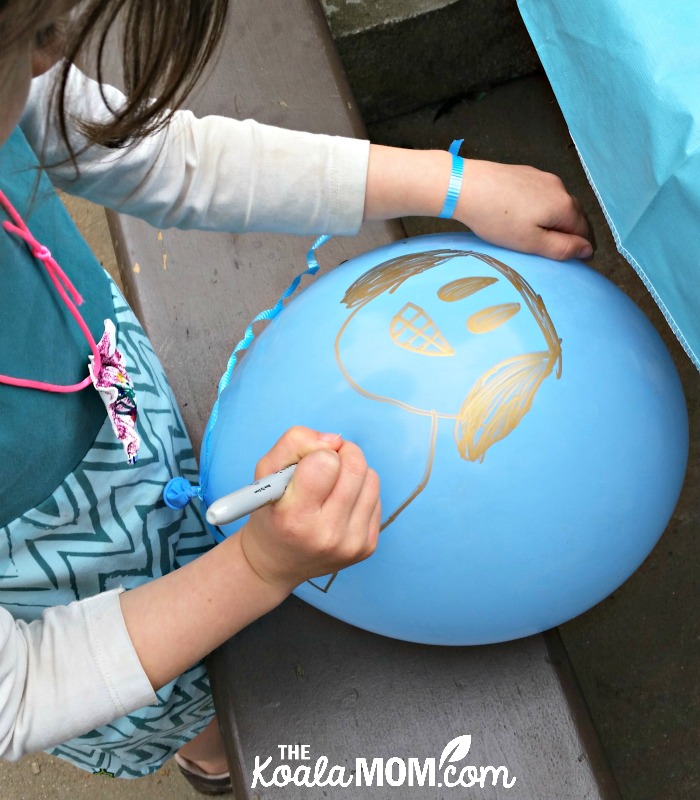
245 342
455 185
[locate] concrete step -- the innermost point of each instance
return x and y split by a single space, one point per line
403 54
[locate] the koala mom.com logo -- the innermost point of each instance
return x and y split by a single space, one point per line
448 772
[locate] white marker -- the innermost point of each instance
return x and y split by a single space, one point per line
250 498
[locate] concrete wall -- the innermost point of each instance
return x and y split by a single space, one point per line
403 54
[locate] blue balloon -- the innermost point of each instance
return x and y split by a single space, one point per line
526 420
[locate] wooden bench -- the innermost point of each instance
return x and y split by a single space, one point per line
297 676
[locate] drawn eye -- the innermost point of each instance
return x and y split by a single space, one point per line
488 319
463 287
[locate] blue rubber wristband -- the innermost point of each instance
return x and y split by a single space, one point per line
456 176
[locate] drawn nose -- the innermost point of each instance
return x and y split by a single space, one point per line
413 329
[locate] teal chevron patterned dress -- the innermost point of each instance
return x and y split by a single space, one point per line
81 519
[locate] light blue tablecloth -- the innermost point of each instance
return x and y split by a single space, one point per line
627 76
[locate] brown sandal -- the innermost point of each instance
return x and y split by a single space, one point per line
202 781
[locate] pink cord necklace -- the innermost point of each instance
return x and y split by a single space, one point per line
107 372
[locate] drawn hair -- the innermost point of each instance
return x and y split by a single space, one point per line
500 398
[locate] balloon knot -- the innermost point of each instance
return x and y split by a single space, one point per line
178 492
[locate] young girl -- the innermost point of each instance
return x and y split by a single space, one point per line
108 598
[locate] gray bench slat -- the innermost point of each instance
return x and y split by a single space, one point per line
299 676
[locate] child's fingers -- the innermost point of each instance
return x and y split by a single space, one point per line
342 500
563 246
367 512
375 523
357 528
292 446
356 499
313 481
570 218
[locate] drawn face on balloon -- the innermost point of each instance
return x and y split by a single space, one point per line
447 330
454 335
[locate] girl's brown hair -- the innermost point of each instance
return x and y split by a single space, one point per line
164 45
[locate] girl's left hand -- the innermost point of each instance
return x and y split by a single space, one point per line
524 209
518 207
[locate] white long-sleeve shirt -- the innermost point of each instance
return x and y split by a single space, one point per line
75 669
63 675
213 173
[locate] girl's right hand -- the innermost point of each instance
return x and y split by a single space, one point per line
328 518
